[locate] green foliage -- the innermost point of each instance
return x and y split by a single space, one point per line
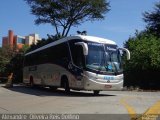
144 50
144 67
15 66
63 14
6 54
24 49
43 42
153 20
11 61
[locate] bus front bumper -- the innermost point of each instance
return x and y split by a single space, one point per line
94 85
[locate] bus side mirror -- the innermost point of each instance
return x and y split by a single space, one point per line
84 46
127 52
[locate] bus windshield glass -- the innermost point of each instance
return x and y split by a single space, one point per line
103 58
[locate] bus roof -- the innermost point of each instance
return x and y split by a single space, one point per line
82 37
95 39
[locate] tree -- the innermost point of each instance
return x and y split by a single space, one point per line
143 68
153 20
63 14
144 48
11 61
43 42
6 54
15 66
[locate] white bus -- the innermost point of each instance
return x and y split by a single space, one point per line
76 62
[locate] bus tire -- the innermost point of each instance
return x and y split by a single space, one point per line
65 85
53 88
31 83
96 92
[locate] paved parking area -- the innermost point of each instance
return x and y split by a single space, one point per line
21 99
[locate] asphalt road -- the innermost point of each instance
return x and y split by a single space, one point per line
26 100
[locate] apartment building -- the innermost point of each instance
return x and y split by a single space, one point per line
19 41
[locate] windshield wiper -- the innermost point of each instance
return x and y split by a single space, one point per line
116 70
102 61
111 61
113 64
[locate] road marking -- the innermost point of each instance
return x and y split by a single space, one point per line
155 109
151 113
129 108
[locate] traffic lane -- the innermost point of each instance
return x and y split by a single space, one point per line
20 99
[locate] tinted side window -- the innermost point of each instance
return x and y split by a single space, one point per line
58 54
77 54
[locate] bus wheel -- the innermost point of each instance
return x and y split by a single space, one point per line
96 92
53 88
31 82
66 85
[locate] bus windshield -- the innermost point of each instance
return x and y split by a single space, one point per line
103 58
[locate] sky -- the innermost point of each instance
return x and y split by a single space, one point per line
121 22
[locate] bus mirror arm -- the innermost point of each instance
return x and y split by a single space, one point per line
84 46
127 51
